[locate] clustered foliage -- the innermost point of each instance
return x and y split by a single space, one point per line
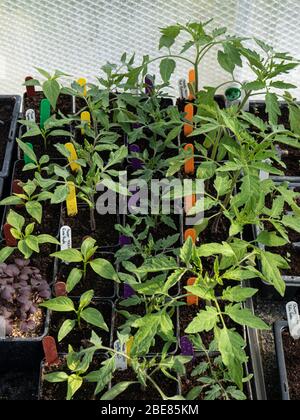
22 289
236 154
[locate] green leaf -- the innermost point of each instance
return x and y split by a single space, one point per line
59 304
158 264
208 250
15 220
231 346
186 252
143 339
69 255
11 201
47 239
24 249
75 382
204 321
272 108
223 185
60 194
33 243
86 299
201 291
292 222
257 85
56 377
245 317
35 210
116 390
226 62
294 117
5 253
94 317
271 239
88 248
51 90
169 36
104 269
271 271
167 68
283 85
206 170
65 329
74 278
27 151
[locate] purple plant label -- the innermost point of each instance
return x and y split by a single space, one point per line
128 291
187 348
125 240
134 148
136 163
2 328
149 83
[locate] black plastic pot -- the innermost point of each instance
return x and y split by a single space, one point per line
22 354
280 327
5 170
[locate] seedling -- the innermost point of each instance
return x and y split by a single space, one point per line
83 313
85 258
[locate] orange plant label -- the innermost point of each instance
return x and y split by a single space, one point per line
189 167
191 233
192 299
190 202
189 111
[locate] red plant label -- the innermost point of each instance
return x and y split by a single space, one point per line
9 239
50 350
60 289
30 89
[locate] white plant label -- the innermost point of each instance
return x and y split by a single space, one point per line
30 116
121 361
2 328
293 316
183 89
65 238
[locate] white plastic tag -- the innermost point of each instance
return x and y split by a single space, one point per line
293 316
183 89
30 116
2 328
65 238
121 361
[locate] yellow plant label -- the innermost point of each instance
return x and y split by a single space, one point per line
72 208
82 82
73 157
129 346
85 118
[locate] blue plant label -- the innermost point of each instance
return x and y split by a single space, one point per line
121 361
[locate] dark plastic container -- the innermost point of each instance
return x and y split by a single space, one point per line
22 353
5 170
279 328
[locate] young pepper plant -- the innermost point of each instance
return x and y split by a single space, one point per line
83 313
86 258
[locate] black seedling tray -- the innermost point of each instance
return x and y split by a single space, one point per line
279 328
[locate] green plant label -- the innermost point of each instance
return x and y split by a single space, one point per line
27 159
45 112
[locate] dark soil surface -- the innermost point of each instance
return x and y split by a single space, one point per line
103 288
80 338
64 104
136 393
19 385
106 235
6 111
58 391
292 360
291 253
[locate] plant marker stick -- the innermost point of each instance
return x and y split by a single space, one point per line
293 316
121 361
30 116
190 233
85 118
128 291
27 159
60 289
233 95
9 239
189 203
50 351
2 328
30 90
192 84
129 348
189 111
149 84
189 166
83 83
192 299
65 238
73 157
72 207
17 187
183 89
45 112
187 348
